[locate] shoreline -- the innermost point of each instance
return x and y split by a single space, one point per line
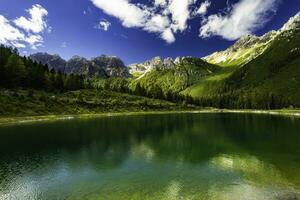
6 121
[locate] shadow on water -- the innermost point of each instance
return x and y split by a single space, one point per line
200 156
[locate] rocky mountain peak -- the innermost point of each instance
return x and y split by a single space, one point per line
77 58
249 47
154 63
293 23
53 61
102 66
268 36
108 61
245 41
168 62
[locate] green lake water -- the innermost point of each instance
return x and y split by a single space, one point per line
169 156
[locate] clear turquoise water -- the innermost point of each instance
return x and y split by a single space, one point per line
179 156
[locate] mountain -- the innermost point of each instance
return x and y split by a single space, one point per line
155 63
170 76
249 47
112 65
101 66
244 50
53 61
257 71
277 70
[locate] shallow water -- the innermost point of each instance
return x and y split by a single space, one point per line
171 156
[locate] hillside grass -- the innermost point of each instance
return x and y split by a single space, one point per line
16 103
209 85
176 79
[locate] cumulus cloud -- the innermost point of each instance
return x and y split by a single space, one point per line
10 35
168 36
165 17
17 32
157 23
241 19
202 10
160 3
130 14
34 41
168 17
36 22
180 12
103 25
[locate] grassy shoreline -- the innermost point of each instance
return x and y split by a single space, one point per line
47 118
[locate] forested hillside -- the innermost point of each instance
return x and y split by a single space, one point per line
28 88
17 71
266 78
255 73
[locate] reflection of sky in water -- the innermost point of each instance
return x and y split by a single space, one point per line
184 163
142 174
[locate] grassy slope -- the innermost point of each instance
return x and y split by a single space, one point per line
33 103
211 84
176 79
276 70
242 56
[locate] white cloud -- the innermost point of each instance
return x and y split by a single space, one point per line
243 18
36 22
160 3
202 10
103 25
12 35
168 17
130 14
165 17
180 13
157 23
168 36
34 41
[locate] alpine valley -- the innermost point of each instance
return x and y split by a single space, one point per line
257 72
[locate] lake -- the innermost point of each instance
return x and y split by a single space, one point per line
166 156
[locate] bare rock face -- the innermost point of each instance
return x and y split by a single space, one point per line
158 64
249 47
101 66
76 65
53 61
113 66
293 23
154 63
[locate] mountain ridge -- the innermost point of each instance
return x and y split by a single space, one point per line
101 66
248 67
250 46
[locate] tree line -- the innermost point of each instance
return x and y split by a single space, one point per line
231 99
17 71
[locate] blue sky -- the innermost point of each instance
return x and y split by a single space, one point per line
137 30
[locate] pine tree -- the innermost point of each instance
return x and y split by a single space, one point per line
14 71
59 81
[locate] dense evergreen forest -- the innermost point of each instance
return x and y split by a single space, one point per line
17 71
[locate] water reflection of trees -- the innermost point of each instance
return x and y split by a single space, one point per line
105 143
